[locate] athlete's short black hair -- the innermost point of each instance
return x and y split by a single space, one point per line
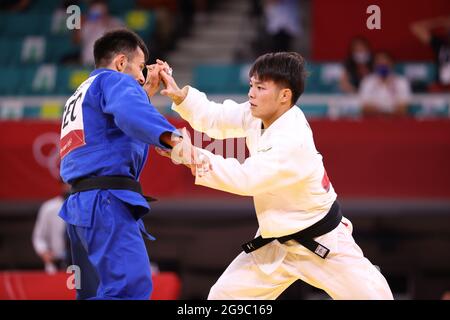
286 69
117 41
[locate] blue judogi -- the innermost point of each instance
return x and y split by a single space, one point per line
107 126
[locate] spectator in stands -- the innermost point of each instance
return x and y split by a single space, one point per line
166 15
358 64
97 22
436 34
49 234
383 92
282 23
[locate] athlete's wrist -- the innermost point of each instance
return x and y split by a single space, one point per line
180 95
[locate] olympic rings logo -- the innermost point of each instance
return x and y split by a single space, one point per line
46 152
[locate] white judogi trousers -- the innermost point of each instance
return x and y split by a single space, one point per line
265 273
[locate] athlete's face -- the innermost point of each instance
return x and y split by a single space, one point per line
135 65
267 100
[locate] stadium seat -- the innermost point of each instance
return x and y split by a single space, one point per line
330 74
59 47
74 77
44 6
420 74
10 49
221 78
32 112
321 77
34 49
315 110
118 7
417 71
9 80
436 107
312 78
24 24
40 80
233 78
141 21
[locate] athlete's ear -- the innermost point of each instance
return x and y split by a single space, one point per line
120 62
285 95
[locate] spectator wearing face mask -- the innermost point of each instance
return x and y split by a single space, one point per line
358 64
384 93
97 22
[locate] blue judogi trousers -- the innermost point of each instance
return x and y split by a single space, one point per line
111 253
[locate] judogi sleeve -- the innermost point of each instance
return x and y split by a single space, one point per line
219 121
133 113
275 166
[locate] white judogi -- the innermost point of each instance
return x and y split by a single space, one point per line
287 179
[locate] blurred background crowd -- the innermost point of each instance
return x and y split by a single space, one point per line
378 101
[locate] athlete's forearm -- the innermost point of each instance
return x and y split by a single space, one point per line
169 139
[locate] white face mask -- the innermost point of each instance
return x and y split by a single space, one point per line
361 57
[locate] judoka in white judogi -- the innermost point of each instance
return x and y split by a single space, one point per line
284 174
286 177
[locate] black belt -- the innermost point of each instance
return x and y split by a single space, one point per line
108 182
306 236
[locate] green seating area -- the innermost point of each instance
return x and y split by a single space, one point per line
50 110
50 84
43 79
116 7
35 50
322 96
216 79
33 55
34 45
314 106
19 25
323 78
